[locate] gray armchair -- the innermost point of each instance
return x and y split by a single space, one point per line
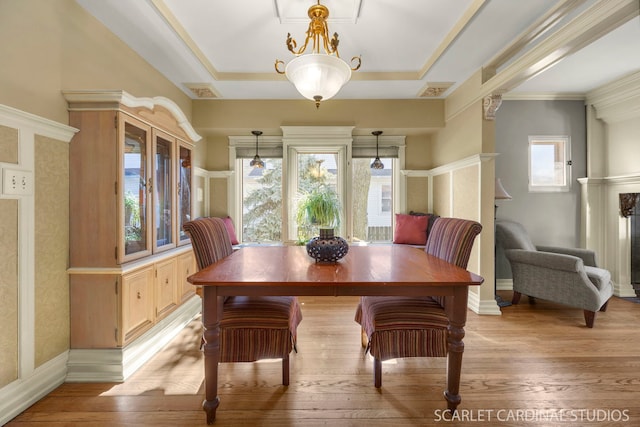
562 275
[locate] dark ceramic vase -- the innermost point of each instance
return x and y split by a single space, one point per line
327 248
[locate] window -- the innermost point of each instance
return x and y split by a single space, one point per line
262 201
549 163
372 200
306 160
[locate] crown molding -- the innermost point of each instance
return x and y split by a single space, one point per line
19 119
617 101
87 99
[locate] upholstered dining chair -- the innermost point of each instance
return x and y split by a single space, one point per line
251 328
395 327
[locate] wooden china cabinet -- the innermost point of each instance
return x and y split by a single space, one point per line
130 193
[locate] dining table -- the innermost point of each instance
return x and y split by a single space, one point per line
367 270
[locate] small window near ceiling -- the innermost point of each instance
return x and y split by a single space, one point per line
549 163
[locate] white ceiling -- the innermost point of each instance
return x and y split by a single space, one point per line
227 49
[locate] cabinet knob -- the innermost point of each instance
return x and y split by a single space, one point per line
166 281
139 295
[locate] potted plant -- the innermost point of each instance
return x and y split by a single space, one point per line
317 209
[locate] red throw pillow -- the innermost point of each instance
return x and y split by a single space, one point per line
411 229
228 222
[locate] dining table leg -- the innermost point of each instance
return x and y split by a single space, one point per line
211 313
457 320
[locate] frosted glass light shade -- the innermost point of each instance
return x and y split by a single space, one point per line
318 75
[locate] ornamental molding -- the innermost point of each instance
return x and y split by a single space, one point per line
490 105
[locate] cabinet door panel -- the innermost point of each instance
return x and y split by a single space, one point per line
186 267
135 185
164 147
185 179
137 304
165 287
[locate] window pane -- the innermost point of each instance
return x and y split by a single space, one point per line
547 163
318 203
262 201
135 189
184 191
372 201
163 191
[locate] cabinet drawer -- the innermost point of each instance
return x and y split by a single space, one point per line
137 304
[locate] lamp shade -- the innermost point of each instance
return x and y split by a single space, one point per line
500 192
318 75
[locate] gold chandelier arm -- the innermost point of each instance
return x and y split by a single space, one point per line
357 67
276 65
291 44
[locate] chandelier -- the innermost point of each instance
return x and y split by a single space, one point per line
317 76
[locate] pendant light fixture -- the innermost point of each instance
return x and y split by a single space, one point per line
257 162
317 76
377 163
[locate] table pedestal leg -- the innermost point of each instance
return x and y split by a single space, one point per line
211 309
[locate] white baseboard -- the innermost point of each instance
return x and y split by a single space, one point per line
117 364
20 394
479 306
504 284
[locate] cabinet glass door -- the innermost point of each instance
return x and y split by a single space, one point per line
135 178
163 191
184 191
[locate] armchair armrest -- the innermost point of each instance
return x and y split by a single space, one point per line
587 255
550 260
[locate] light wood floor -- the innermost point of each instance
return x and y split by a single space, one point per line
533 366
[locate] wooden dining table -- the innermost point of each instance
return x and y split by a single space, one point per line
398 270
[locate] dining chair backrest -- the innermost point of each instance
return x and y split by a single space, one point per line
451 239
210 240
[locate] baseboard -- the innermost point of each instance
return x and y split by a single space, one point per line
504 284
478 306
20 394
117 364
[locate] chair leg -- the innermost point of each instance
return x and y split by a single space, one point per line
516 298
589 318
604 306
285 370
377 372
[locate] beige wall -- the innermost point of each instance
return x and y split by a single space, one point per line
623 147
47 47
52 248
9 291
415 119
70 50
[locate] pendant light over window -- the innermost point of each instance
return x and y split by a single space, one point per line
257 162
377 163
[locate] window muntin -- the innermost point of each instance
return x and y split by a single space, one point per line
549 163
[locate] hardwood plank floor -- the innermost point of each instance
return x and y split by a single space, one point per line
534 365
